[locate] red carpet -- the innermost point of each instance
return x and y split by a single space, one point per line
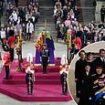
47 86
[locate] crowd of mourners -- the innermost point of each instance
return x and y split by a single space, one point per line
90 78
67 15
20 19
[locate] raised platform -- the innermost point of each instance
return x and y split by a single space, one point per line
41 92
47 87
40 78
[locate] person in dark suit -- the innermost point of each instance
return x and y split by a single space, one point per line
44 57
102 11
30 80
100 61
90 60
94 6
63 78
79 68
86 87
16 3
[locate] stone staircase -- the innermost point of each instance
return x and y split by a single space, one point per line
46 18
23 2
87 10
78 3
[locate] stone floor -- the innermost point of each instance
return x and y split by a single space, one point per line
5 100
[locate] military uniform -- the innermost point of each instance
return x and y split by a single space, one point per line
6 60
63 79
30 81
44 59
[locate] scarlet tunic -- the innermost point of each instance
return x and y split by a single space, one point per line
11 41
78 43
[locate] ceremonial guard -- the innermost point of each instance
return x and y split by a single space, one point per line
63 73
6 62
44 57
63 77
11 43
30 78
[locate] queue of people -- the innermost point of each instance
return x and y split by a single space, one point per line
66 16
21 19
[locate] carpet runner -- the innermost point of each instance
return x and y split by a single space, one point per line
47 87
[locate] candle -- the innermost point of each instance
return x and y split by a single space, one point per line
68 40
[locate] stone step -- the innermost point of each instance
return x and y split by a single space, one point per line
48 2
43 28
78 3
45 16
23 2
47 7
46 13
51 31
87 10
48 23
37 27
88 15
42 21
89 3
48 26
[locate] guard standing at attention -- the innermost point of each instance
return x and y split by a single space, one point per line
30 78
44 57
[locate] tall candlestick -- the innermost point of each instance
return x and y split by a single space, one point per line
20 36
18 42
